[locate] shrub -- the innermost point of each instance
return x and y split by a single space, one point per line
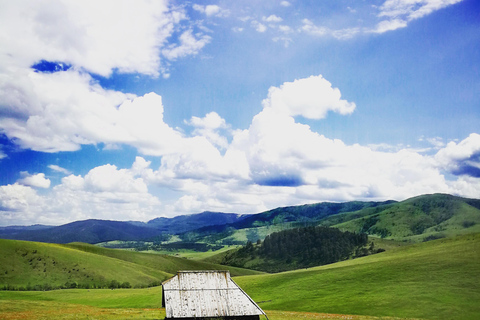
468 224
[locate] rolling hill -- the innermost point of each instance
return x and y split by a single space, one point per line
421 218
29 264
432 280
417 219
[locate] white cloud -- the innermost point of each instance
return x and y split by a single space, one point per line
97 36
276 161
56 168
19 205
285 4
390 25
319 31
461 158
272 18
259 26
71 110
211 10
311 28
311 98
400 12
106 192
285 29
210 127
190 44
34 180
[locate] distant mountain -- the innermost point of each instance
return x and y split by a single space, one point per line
418 218
304 213
13 230
181 224
297 215
95 231
88 231
421 218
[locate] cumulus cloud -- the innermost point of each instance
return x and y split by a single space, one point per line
97 36
272 18
210 127
20 204
190 44
105 192
276 161
259 26
311 98
285 4
463 158
279 161
70 110
49 101
34 180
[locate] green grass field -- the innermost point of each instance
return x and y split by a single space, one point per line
114 305
431 280
26 264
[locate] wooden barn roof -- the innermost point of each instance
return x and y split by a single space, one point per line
196 294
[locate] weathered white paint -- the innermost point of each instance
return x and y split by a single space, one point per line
192 294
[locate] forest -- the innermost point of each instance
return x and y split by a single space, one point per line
300 248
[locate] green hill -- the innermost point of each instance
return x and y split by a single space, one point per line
35 265
432 280
417 219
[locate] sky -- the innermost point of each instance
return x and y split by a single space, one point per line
132 110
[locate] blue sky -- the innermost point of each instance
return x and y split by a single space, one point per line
131 110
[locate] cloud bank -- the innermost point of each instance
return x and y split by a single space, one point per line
276 161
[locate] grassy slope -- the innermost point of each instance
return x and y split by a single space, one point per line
24 262
167 263
414 219
112 305
433 280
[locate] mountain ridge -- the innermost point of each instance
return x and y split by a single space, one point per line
353 216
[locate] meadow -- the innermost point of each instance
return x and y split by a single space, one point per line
431 280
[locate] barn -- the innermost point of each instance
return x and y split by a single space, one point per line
205 295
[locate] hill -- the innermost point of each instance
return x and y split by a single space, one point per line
432 280
184 223
88 231
417 219
95 231
29 264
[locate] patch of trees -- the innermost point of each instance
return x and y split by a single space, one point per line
301 248
159 246
113 284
